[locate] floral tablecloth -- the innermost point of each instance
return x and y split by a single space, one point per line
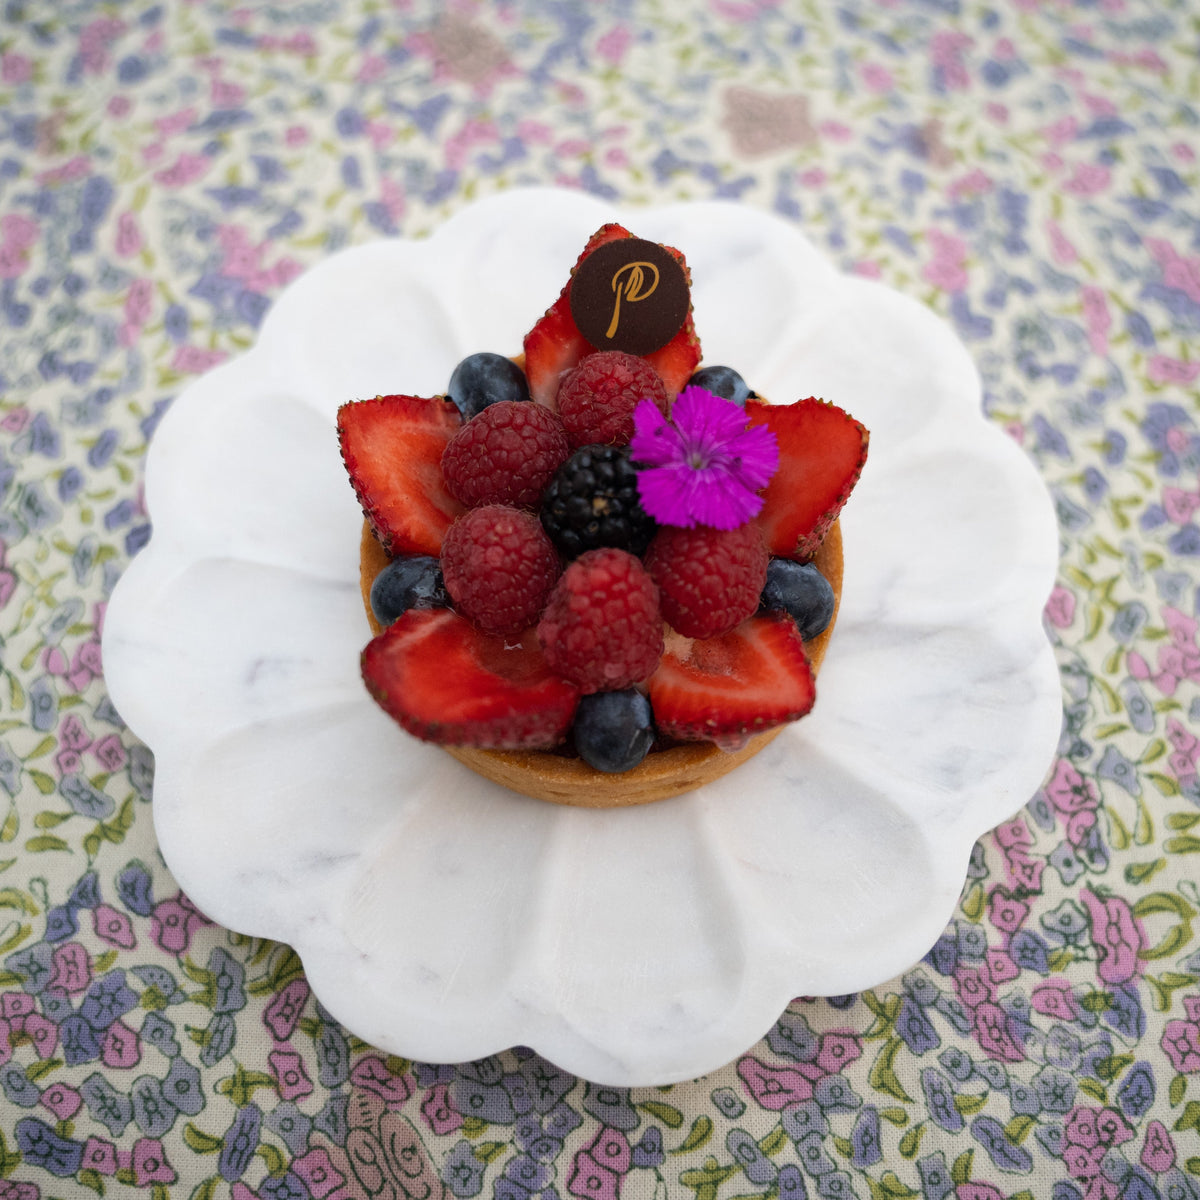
1027 169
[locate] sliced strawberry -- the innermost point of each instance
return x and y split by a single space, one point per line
606 233
446 682
392 446
677 361
554 345
821 455
725 689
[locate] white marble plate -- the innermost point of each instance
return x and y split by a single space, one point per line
441 917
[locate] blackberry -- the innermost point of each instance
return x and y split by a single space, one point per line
592 501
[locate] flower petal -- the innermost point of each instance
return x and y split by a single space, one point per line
723 502
704 466
754 455
654 442
705 421
667 493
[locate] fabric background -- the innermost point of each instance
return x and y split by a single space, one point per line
1027 169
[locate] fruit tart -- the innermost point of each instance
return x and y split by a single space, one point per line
600 573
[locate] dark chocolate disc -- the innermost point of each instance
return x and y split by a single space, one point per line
631 295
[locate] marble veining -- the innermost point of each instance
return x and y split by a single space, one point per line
441 917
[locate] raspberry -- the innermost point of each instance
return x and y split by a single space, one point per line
499 567
709 579
592 501
597 398
602 629
504 455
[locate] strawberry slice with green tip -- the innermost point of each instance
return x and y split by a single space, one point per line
821 455
728 688
447 682
392 447
555 345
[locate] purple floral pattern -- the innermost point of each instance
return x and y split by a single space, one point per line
1029 170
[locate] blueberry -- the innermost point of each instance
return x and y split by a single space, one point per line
614 730
408 582
482 379
802 592
722 381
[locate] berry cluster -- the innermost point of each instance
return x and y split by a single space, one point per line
529 589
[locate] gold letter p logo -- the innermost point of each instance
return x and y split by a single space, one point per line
631 287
